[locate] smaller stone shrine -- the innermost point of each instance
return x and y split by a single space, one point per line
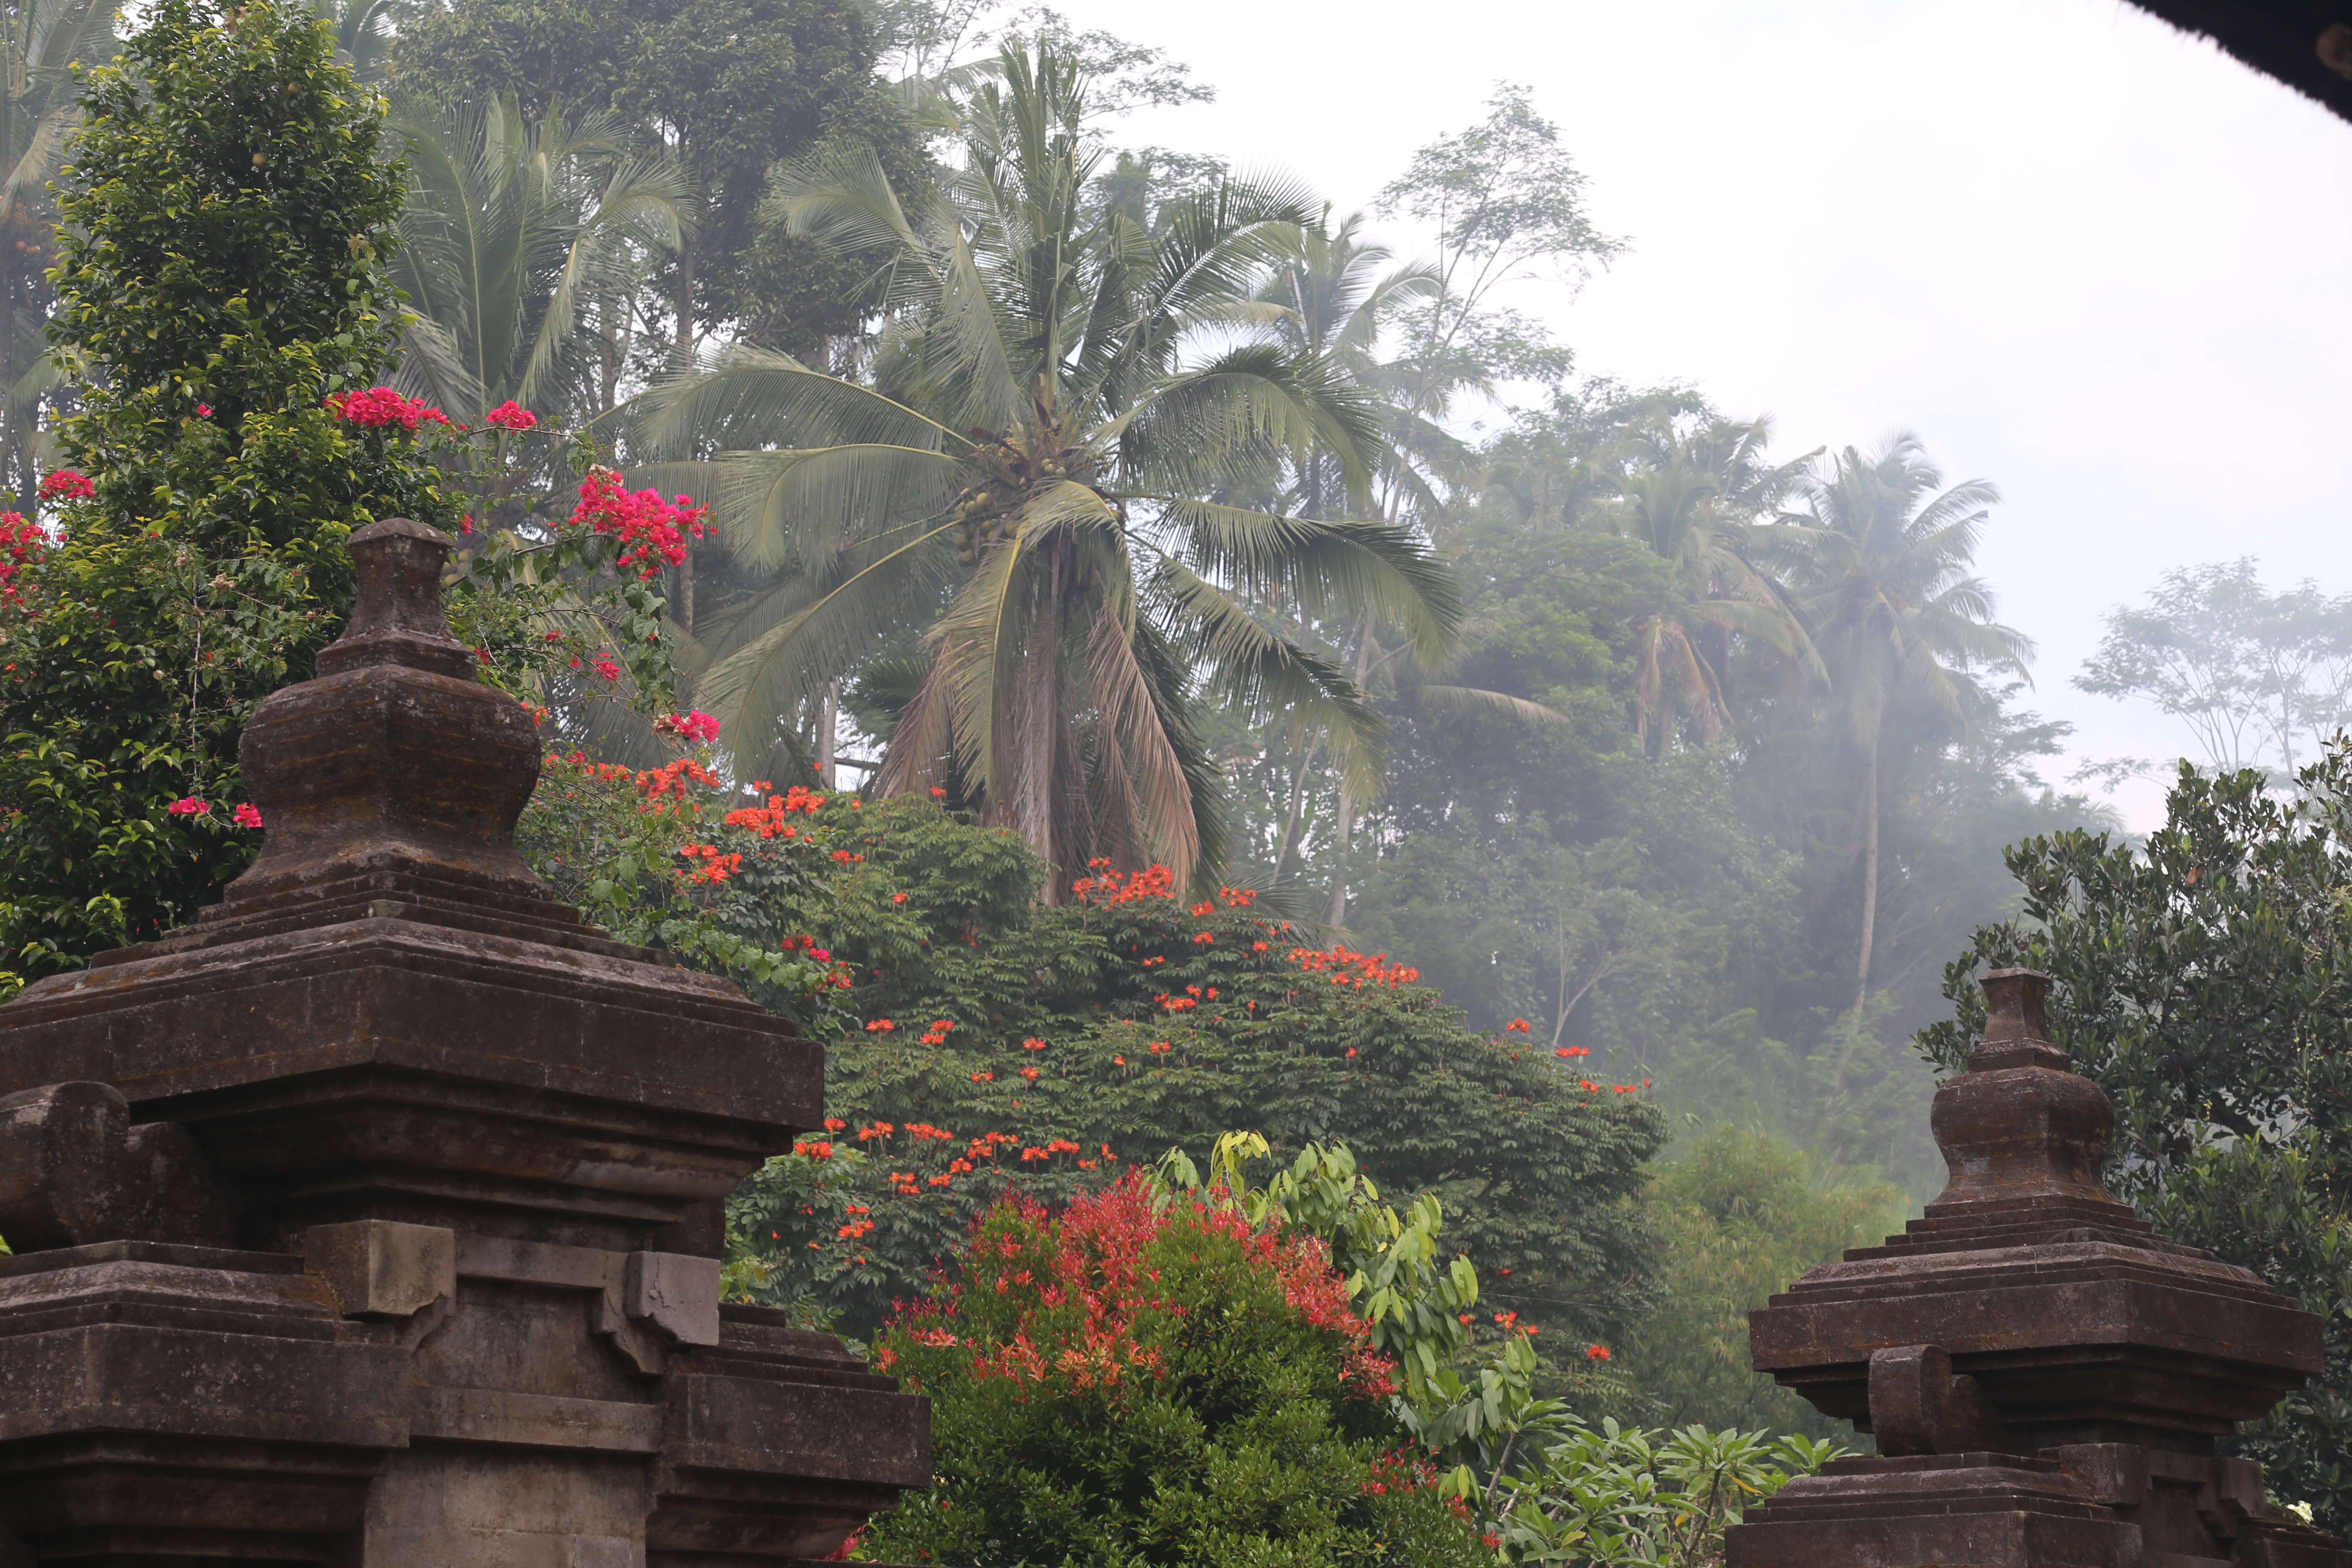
2045 1376
373 1219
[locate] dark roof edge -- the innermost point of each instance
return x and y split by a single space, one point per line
2281 38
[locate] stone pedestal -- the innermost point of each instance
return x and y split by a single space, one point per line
373 1221
2044 1375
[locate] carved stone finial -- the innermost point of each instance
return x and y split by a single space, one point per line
396 761
397 615
2022 1133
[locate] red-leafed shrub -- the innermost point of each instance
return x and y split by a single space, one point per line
1130 1379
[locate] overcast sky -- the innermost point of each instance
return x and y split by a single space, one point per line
2084 257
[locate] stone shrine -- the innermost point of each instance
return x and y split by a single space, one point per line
373 1219
2045 1376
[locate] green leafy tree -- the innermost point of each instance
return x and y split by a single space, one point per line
652 855
219 272
1739 1216
1623 1497
2205 982
725 88
226 305
2255 675
1037 466
1413 1299
1506 203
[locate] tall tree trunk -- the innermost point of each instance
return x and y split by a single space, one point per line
685 589
1338 914
1869 888
1290 829
682 303
828 718
1025 794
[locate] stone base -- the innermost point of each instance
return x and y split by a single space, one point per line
404 1398
2097 1505
1937 1510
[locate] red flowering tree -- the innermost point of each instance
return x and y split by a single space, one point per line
1009 1047
999 1048
1136 1379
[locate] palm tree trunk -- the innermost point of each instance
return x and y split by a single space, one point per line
1025 794
1869 887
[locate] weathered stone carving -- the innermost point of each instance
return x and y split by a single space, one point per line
73 1169
372 1220
2045 1376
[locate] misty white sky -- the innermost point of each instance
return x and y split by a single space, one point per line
2083 256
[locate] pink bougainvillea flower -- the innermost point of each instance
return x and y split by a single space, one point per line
246 815
189 805
696 726
67 485
512 416
380 406
204 410
22 545
652 533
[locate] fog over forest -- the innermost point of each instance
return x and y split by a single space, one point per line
1639 546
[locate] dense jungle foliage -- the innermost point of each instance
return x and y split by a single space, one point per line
1156 677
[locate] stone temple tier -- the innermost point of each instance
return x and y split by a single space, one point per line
374 1220
2045 1376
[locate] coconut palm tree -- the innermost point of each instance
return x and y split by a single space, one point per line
1056 391
1895 611
520 244
40 40
1693 497
1334 303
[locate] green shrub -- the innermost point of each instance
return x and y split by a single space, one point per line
1130 1381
